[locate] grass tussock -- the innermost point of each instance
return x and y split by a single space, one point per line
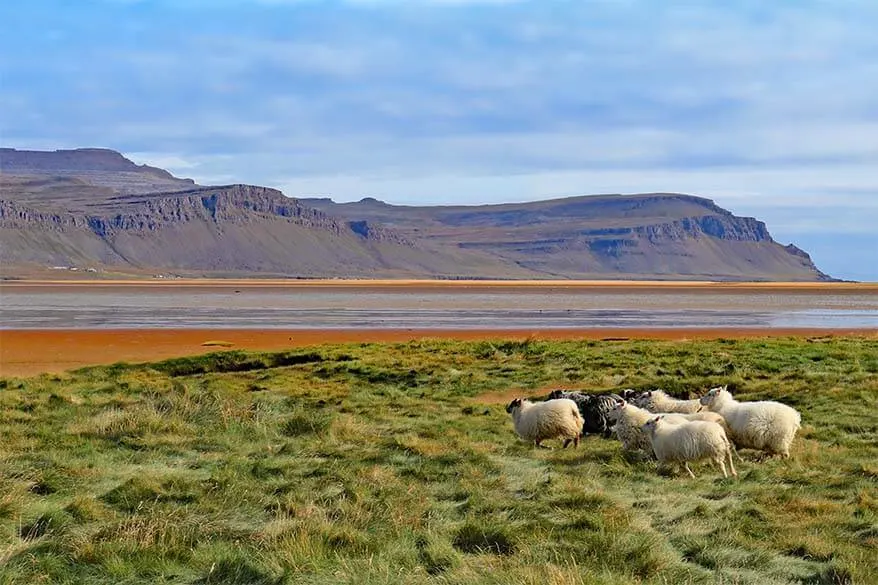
397 463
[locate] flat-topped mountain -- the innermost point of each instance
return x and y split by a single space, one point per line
656 235
97 167
94 208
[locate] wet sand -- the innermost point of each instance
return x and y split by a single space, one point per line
454 305
31 352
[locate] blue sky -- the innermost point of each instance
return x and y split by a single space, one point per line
769 108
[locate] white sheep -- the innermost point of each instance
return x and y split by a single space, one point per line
538 421
689 441
764 425
629 420
659 401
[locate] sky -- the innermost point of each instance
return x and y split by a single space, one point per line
768 108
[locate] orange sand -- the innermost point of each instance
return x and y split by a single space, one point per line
30 352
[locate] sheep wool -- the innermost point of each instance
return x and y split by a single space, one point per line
538 421
689 441
658 401
764 425
705 415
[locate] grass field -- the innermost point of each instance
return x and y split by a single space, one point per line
397 463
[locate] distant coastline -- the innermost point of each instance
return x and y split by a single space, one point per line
443 283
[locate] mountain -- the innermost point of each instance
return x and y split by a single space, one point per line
656 235
90 167
94 208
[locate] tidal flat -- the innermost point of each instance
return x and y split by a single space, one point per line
440 305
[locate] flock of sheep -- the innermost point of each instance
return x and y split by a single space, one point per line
673 431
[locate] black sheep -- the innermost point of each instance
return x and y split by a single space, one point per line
593 408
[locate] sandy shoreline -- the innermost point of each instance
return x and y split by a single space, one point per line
31 352
615 285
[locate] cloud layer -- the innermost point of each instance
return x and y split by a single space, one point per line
771 109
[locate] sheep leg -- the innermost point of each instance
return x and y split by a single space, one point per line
567 442
576 441
722 465
686 466
732 465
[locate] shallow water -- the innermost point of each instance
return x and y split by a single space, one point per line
365 307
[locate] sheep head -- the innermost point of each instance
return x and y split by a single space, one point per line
713 396
555 394
642 398
652 424
514 405
614 413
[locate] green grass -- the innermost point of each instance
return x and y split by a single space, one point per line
385 464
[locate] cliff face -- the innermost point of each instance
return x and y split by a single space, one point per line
14 215
93 207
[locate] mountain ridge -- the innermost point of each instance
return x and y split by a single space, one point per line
663 235
95 207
